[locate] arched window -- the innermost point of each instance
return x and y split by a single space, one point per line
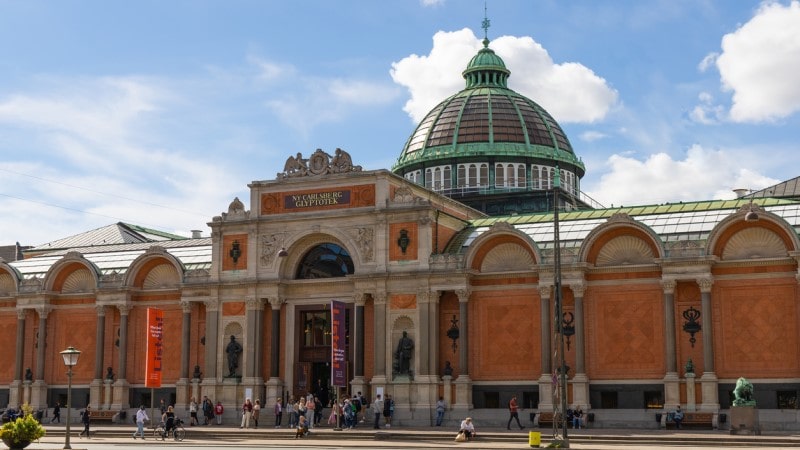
325 261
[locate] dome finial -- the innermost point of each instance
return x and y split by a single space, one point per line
485 25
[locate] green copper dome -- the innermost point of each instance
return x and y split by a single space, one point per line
491 126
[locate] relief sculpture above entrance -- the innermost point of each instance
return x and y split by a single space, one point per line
319 163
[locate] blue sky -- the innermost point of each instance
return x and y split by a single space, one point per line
160 113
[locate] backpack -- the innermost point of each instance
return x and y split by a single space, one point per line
356 404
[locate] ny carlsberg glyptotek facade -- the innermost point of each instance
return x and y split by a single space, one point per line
453 249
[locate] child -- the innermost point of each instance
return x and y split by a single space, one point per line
302 427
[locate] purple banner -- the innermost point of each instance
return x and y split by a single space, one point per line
338 344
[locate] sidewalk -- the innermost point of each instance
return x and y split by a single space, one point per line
399 437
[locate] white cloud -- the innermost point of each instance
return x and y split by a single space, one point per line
429 3
591 136
760 62
702 174
709 61
707 113
569 91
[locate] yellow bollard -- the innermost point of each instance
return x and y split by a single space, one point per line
534 438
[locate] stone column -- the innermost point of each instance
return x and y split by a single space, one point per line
546 378
96 385
463 400
15 395
358 383
42 341
672 391
38 399
580 382
433 336
275 384
182 395
212 330
421 351
251 376
20 349
121 386
708 381
379 302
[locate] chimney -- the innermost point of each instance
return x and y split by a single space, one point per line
196 234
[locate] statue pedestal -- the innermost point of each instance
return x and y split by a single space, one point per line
744 420
691 398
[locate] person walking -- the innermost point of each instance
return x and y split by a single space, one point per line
86 416
513 410
193 413
141 417
56 413
377 409
440 409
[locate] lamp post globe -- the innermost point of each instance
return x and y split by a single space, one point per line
70 356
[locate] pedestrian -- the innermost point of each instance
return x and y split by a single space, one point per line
513 410
163 407
278 410
677 417
377 409
86 417
310 406
388 410
362 404
208 410
141 417
577 415
467 429
440 409
247 413
256 412
193 413
317 410
291 412
218 410
56 413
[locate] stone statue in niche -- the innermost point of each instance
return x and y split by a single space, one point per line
109 373
28 374
405 350
197 374
234 349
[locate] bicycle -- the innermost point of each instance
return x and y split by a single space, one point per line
177 432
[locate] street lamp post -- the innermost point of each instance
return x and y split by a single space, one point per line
559 310
70 356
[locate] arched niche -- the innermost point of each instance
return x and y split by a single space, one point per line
621 241
155 269
502 249
72 274
734 238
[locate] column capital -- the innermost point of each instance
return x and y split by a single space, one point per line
21 313
545 291
578 289
211 304
124 309
379 298
360 298
186 306
101 310
668 285
254 303
463 295
705 284
276 303
44 311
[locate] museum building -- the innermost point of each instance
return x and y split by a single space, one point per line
465 246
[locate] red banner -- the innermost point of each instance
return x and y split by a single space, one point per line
155 348
338 345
